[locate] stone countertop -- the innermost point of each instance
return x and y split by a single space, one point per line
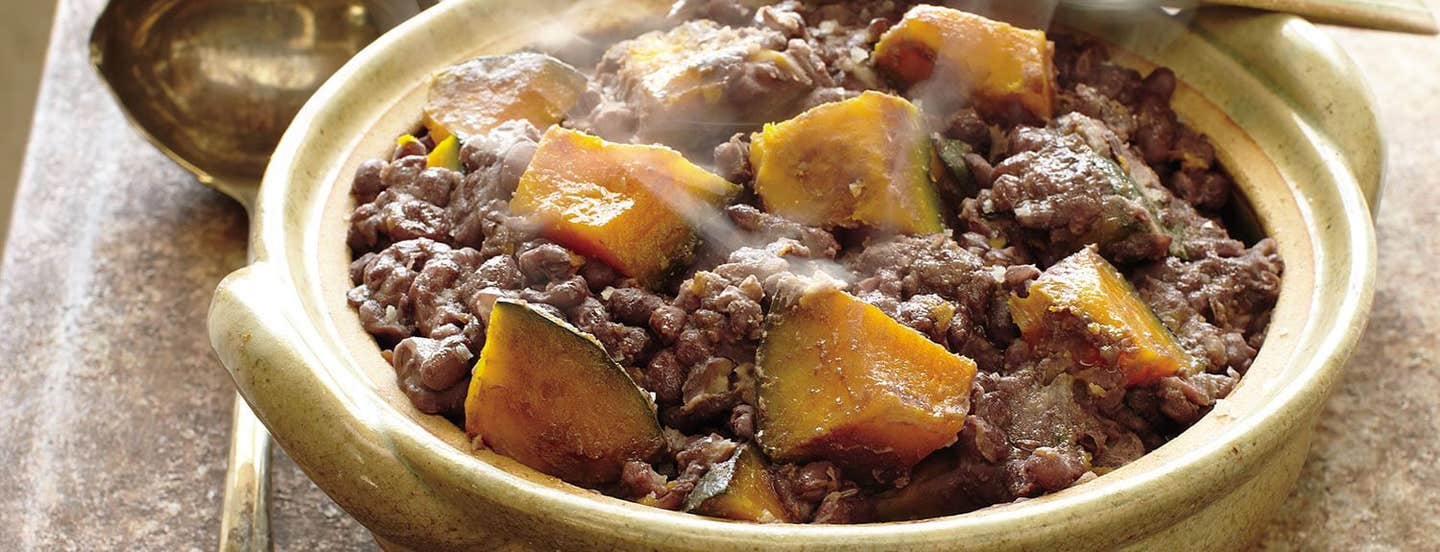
114 412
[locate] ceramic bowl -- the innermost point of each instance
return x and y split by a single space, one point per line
1286 109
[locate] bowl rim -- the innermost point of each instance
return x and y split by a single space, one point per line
273 233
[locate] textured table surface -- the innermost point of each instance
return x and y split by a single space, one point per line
114 411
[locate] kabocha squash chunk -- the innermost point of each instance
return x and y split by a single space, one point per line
1003 66
1118 223
860 162
1117 322
842 381
476 96
551 398
739 488
687 84
631 206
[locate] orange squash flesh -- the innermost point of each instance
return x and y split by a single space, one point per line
859 162
476 96
631 206
552 399
740 488
842 381
446 154
1003 65
1086 286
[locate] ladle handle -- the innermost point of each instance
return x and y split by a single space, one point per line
245 512
243 191
1409 16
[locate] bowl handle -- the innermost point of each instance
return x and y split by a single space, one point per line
346 451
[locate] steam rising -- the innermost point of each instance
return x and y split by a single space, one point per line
584 49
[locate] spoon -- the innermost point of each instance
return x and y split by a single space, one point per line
213 84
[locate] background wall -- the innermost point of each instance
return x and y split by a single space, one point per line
24 35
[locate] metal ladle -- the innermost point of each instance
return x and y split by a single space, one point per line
213 84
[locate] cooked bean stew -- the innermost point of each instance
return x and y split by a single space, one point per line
812 264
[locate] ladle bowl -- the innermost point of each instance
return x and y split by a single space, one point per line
214 84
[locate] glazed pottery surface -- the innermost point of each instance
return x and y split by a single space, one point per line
1289 116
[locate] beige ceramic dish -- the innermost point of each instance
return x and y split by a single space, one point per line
1286 109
